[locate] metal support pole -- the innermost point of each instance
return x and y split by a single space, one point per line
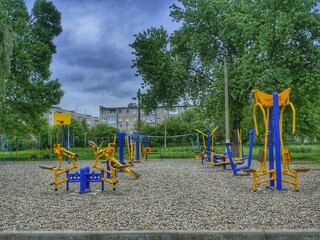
50 144
271 146
165 132
226 100
85 146
277 141
121 136
139 110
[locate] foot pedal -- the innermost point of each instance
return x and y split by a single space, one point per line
136 174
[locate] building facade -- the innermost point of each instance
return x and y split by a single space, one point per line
90 120
125 118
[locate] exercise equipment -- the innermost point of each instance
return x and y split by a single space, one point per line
273 141
207 147
137 142
58 170
84 178
227 158
237 164
112 164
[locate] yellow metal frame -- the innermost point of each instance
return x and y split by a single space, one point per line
265 101
113 163
132 150
204 136
60 151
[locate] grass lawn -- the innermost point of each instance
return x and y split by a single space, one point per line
301 153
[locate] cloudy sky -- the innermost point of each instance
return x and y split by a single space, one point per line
93 59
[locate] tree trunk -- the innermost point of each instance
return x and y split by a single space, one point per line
234 138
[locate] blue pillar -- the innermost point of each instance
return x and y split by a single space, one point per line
277 141
138 146
67 182
208 140
121 136
271 145
87 171
84 184
209 147
82 180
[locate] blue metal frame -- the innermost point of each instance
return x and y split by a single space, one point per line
4 141
234 166
85 177
277 141
121 136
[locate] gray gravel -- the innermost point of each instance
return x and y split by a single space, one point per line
173 194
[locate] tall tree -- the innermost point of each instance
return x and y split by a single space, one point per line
6 47
29 91
160 73
270 45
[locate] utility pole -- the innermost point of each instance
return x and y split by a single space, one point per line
139 110
226 99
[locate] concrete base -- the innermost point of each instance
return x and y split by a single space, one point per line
166 235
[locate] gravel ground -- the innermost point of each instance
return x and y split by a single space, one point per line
173 194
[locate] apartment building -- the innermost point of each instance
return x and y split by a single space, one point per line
90 120
125 118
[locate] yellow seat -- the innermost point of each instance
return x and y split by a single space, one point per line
47 167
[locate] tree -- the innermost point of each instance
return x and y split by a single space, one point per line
270 45
193 115
6 47
77 132
29 91
159 72
102 132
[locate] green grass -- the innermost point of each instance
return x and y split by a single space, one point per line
299 153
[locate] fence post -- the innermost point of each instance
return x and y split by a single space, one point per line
28 148
73 142
85 146
50 144
38 147
17 149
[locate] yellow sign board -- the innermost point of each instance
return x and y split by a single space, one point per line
61 118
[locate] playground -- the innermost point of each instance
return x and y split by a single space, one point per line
171 194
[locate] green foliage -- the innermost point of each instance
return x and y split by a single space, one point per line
269 45
160 74
29 91
102 132
76 133
6 47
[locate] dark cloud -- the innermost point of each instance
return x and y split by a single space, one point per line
93 57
